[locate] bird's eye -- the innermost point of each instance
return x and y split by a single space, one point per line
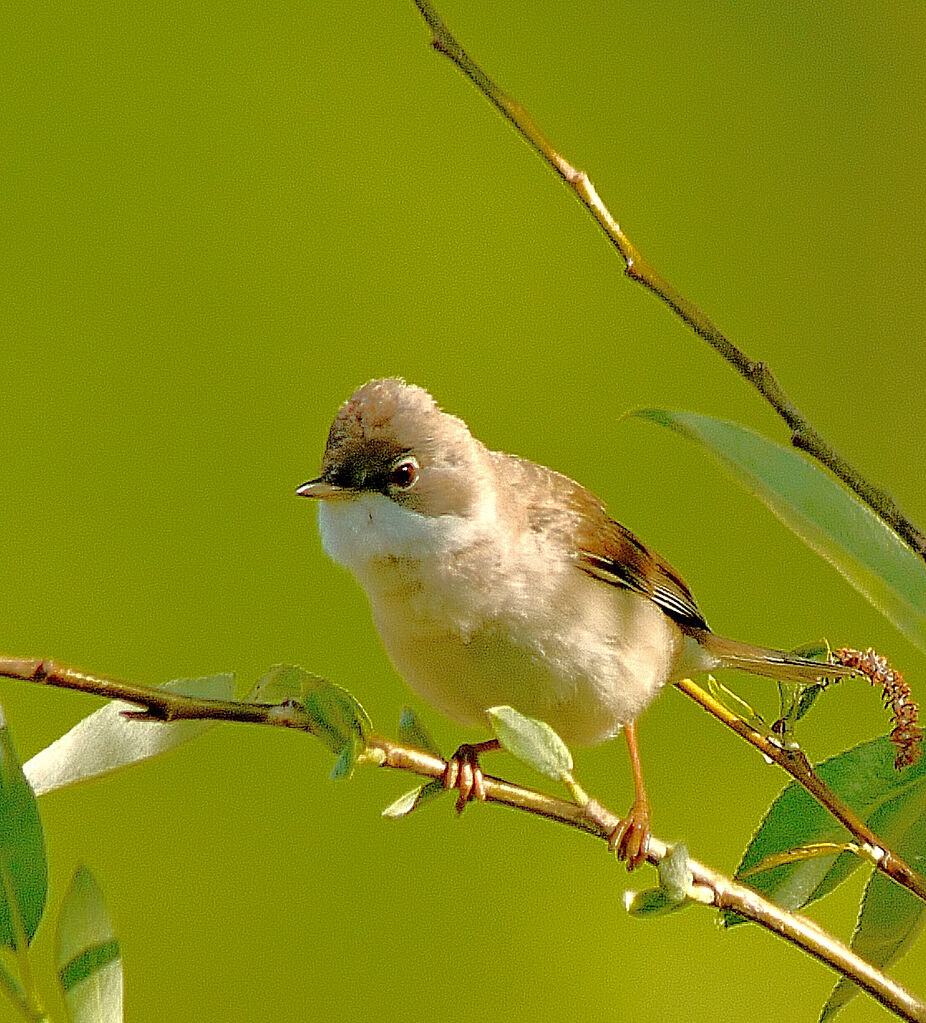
404 474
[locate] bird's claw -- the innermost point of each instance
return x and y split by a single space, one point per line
464 773
630 839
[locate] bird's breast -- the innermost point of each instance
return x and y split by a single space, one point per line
472 621
582 655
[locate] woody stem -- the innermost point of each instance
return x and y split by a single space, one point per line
803 435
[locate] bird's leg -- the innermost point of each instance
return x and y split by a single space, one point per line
464 773
630 839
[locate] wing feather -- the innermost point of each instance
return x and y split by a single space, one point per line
600 546
614 555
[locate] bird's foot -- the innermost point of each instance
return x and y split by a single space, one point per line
630 839
464 773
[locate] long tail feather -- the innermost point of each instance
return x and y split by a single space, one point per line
775 664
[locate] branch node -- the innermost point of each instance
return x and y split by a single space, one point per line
757 372
874 852
801 441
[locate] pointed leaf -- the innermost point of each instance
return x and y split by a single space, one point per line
675 873
808 698
674 887
797 698
23 866
651 902
336 715
736 705
283 682
106 740
87 954
891 917
414 799
347 759
338 719
412 732
865 778
821 511
532 741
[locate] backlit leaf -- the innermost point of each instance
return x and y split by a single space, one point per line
821 511
338 719
87 954
890 919
106 740
532 741
414 799
866 779
23 866
283 682
673 891
651 902
412 732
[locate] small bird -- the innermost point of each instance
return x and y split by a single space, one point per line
493 580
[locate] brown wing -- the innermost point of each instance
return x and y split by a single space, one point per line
608 551
614 555
602 547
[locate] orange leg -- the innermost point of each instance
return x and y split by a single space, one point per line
630 838
464 773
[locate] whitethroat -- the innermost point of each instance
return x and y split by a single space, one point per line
493 580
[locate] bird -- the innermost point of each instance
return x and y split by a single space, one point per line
493 580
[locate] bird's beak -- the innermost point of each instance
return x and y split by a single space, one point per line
323 490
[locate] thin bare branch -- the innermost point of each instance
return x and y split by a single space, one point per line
721 892
638 268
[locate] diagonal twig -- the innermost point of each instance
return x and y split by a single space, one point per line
714 888
803 435
798 766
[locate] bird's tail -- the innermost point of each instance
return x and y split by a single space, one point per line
776 664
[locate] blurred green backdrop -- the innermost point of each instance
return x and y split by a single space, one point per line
221 218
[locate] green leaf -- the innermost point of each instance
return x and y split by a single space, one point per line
347 760
283 682
413 800
866 779
412 732
673 890
334 716
87 954
798 697
107 741
652 902
338 719
532 741
675 873
824 514
891 917
23 867
736 705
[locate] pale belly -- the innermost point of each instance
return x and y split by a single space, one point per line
588 667
470 627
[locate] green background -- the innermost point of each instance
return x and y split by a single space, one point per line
218 220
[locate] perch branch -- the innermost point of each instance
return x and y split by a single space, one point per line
724 893
639 269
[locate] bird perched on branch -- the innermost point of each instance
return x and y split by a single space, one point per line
493 580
